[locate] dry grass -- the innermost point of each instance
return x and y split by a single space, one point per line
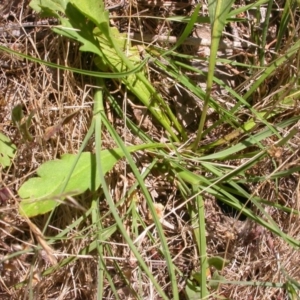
254 254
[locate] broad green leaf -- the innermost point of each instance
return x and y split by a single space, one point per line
137 83
77 27
192 291
109 58
41 194
217 262
49 7
113 46
7 151
93 10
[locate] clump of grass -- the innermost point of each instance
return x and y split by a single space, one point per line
150 226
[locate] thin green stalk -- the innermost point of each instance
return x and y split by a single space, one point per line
202 243
289 7
78 71
187 31
98 229
264 34
218 13
165 249
100 115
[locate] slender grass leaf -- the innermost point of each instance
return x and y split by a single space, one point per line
218 13
245 8
74 70
101 118
106 233
111 53
187 31
286 15
250 141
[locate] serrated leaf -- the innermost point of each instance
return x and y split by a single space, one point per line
7 151
77 27
40 194
94 10
49 7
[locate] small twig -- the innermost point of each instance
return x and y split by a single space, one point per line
112 7
191 41
15 29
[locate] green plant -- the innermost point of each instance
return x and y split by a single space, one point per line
7 151
195 168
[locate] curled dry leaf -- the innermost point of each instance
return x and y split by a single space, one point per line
52 130
5 195
159 209
275 152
